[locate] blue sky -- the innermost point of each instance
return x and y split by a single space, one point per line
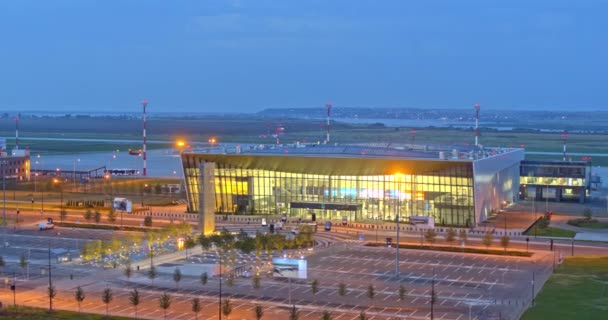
240 56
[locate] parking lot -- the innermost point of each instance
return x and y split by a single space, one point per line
483 286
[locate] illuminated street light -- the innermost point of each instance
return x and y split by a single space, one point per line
57 182
74 173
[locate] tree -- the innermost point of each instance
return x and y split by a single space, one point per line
362 316
196 307
255 281
148 221
430 236
188 245
294 314
450 236
2 265
314 288
342 289
543 222
205 242
79 296
230 280
128 271
227 308
259 312
504 242
326 315
587 213
177 277
134 299
111 216
107 297
462 235
402 292
152 274
204 278
164 302
62 215
487 239
52 292
23 263
97 216
371 293
88 215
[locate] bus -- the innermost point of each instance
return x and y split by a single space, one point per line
422 221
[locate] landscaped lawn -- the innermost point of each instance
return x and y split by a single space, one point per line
577 290
551 232
593 224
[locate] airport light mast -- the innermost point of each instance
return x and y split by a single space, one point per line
328 108
17 132
144 104
564 137
477 107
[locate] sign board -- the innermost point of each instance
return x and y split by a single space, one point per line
289 268
122 204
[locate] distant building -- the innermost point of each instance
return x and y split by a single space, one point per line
15 166
555 180
458 187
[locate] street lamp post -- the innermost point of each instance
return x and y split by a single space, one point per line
397 246
219 307
42 200
74 172
50 281
433 294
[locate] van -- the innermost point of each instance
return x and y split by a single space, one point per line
327 225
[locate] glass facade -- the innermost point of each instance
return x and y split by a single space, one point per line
554 180
443 191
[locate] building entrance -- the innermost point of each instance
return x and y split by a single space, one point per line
326 211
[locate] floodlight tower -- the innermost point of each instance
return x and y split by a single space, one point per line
477 107
564 137
17 132
144 104
277 131
328 107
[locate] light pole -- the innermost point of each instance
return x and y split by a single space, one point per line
547 199
433 294
35 174
397 246
533 297
50 281
219 307
42 200
74 173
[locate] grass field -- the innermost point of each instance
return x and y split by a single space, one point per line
252 129
551 232
577 290
30 313
591 224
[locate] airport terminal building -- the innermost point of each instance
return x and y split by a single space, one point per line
455 186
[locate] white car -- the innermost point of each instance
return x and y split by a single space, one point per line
46 225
